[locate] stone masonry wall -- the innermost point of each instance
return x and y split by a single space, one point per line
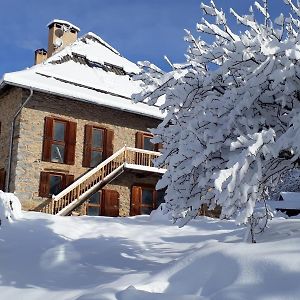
30 164
10 100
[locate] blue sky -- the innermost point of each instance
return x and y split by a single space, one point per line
139 29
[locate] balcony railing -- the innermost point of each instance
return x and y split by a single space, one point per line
79 191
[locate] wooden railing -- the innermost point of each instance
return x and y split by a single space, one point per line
75 194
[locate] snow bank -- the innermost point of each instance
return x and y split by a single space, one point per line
132 293
83 258
160 214
10 208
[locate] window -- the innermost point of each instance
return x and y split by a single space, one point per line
59 141
147 203
93 207
58 145
144 199
53 183
2 179
98 145
103 203
143 141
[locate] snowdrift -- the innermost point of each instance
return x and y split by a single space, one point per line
84 258
10 208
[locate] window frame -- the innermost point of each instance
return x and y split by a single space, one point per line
44 190
88 149
137 191
97 149
140 141
109 203
61 183
69 142
88 204
153 204
58 142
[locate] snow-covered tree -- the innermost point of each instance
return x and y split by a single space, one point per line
233 111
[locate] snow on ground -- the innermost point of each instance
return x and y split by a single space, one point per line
84 258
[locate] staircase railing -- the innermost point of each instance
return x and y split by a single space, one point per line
93 180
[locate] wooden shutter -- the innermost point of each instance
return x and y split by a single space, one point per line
70 143
109 146
110 203
136 200
68 179
48 139
139 140
87 149
158 146
2 179
44 185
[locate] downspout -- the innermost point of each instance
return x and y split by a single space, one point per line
11 140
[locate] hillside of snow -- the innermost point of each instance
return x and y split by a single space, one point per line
84 258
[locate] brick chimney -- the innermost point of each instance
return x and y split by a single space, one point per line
39 56
61 34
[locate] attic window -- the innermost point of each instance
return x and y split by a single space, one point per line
73 30
117 70
58 26
94 64
79 58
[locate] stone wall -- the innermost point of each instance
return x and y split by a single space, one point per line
30 164
10 100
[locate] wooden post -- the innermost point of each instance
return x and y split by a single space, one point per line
125 155
78 192
52 205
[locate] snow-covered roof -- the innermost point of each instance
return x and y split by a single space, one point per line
89 70
291 200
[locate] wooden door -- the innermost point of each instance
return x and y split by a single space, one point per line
136 200
110 203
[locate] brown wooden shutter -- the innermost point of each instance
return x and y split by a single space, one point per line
110 203
2 179
87 150
136 200
48 139
109 146
139 140
158 147
44 185
71 143
68 179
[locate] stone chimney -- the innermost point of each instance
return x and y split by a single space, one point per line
61 34
39 56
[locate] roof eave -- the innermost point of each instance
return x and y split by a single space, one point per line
7 82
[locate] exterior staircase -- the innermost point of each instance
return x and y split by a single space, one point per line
81 189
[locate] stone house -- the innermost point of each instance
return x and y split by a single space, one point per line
70 136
